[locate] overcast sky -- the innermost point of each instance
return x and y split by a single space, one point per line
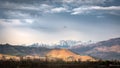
48 21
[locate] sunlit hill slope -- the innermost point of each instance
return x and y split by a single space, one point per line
68 55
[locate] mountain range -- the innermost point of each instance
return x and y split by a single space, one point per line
22 50
106 50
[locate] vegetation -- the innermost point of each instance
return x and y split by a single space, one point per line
57 64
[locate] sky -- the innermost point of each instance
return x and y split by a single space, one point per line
48 21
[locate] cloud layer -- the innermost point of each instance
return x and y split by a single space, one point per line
73 7
88 9
54 20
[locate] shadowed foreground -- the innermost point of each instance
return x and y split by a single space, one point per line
57 64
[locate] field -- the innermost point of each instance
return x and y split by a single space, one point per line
57 64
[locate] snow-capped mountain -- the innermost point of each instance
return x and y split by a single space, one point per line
70 43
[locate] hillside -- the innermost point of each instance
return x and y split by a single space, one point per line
107 50
22 50
68 55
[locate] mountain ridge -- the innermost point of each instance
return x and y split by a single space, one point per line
106 50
